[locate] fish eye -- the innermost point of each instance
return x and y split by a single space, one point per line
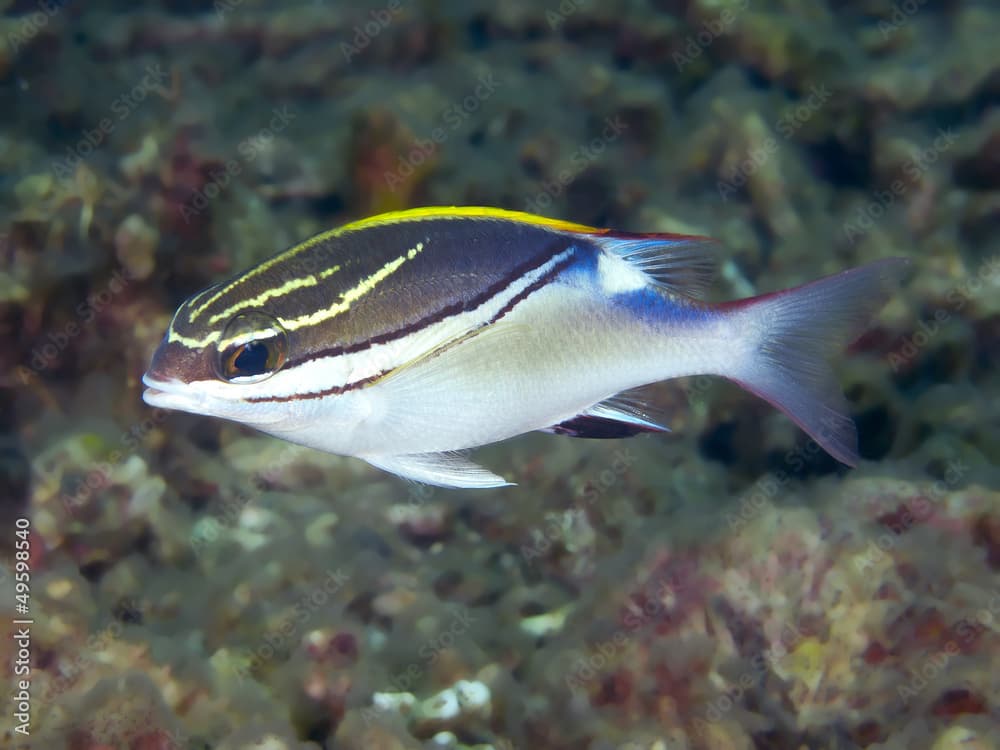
253 347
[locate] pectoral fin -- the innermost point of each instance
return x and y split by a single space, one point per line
440 469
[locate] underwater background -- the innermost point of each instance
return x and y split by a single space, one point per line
193 584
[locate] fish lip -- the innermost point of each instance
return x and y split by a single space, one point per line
179 396
161 386
166 394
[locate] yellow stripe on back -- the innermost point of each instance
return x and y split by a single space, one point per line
289 286
464 212
191 343
354 293
398 217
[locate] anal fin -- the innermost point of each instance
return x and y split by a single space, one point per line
440 469
625 415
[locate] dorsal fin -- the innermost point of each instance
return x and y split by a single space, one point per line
681 263
625 415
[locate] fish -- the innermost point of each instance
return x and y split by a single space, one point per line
409 338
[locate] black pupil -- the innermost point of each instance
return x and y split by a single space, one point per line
252 359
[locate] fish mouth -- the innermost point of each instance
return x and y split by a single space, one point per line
187 397
167 394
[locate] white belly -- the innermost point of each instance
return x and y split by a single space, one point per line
554 355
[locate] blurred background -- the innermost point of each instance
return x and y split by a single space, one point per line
196 585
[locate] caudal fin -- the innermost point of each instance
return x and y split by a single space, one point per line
798 331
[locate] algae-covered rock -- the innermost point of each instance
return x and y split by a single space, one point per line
726 585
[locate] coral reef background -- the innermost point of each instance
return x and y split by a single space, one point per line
196 585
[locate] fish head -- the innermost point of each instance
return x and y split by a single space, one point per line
220 368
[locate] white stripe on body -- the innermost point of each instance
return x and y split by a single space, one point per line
342 369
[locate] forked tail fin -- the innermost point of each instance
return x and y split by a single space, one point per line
799 330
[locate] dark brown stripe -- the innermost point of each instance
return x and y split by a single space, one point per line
463 261
503 311
332 391
438 315
533 287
